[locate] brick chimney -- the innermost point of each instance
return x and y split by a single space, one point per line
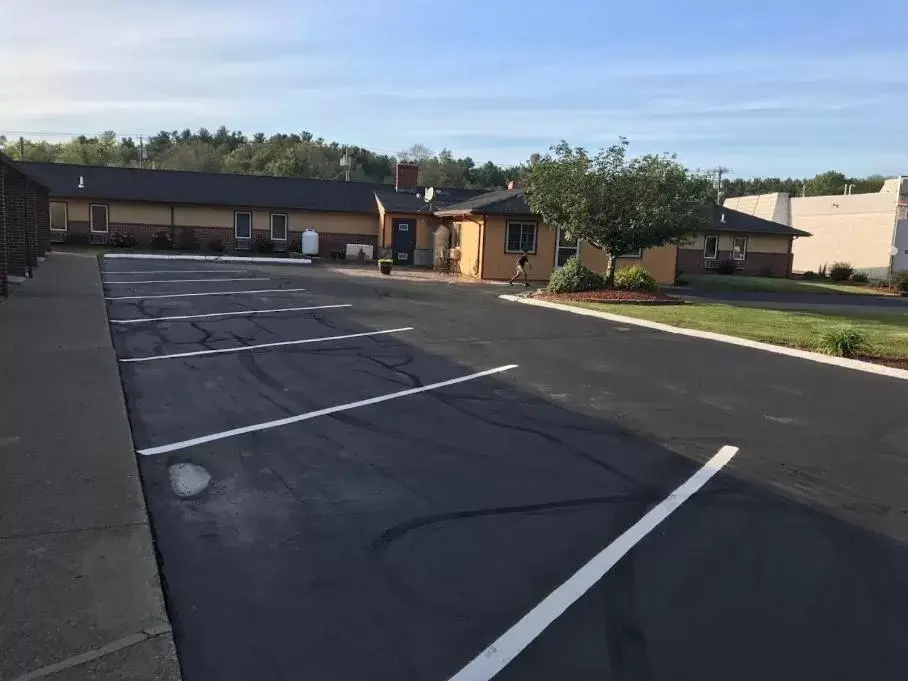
407 176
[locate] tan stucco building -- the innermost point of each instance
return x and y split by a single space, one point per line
869 231
472 233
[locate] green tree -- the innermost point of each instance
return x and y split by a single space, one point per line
618 204
825 184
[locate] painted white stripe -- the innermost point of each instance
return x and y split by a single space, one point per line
855 364
210 258
243 348
163 449
208 271
497 656
185 281
239 313
208 293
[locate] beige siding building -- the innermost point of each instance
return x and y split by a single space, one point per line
869 231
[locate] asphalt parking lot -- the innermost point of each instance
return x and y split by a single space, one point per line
377 480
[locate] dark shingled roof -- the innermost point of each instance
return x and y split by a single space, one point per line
411 200
728 220
503 202
224 189
22 168
513 202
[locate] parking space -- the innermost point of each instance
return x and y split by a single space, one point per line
343 487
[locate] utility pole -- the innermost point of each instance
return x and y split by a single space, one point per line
719 172
21 148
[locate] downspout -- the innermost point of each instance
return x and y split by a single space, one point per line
482 241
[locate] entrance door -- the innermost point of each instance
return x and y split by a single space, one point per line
403 238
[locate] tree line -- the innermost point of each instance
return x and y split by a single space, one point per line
304 155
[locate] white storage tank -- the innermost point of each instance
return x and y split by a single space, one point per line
310 242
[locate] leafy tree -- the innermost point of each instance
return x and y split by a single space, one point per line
824 184
618 204
303 154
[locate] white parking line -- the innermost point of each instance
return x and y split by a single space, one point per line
186 281
209 271
242 348
208 293
497 656
174 446
239 313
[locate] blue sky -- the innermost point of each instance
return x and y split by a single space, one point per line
769 88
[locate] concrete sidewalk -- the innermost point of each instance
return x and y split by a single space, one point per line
80 596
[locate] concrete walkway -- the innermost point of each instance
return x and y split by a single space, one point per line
80 596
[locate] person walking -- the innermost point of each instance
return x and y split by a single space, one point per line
523 265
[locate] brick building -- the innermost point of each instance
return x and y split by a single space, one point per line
24 223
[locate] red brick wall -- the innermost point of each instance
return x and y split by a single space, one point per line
690 261
42 215
4 288
338 242
31 221
17 263
203 237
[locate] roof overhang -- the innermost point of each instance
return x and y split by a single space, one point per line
19 169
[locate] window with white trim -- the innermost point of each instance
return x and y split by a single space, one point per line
519 237
242 225
632 254
97 215
739 248
59 220
710 247
567 249
278 227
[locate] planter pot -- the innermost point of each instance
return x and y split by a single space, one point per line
384 268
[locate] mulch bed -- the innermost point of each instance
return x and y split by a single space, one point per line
894 362
610 296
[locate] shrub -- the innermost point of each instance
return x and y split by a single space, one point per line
842 341
162 240
120 240
899 281
635 278
574 277
215 245
860 277
263 244
188 240
295 246
810 274
727 267
840 271
821 272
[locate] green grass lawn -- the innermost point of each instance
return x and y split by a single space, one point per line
887 333
734 282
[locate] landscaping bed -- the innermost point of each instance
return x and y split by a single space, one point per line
610 296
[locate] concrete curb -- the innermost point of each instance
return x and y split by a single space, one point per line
855 364
209 258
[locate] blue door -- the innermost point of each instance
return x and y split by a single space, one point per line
403 238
